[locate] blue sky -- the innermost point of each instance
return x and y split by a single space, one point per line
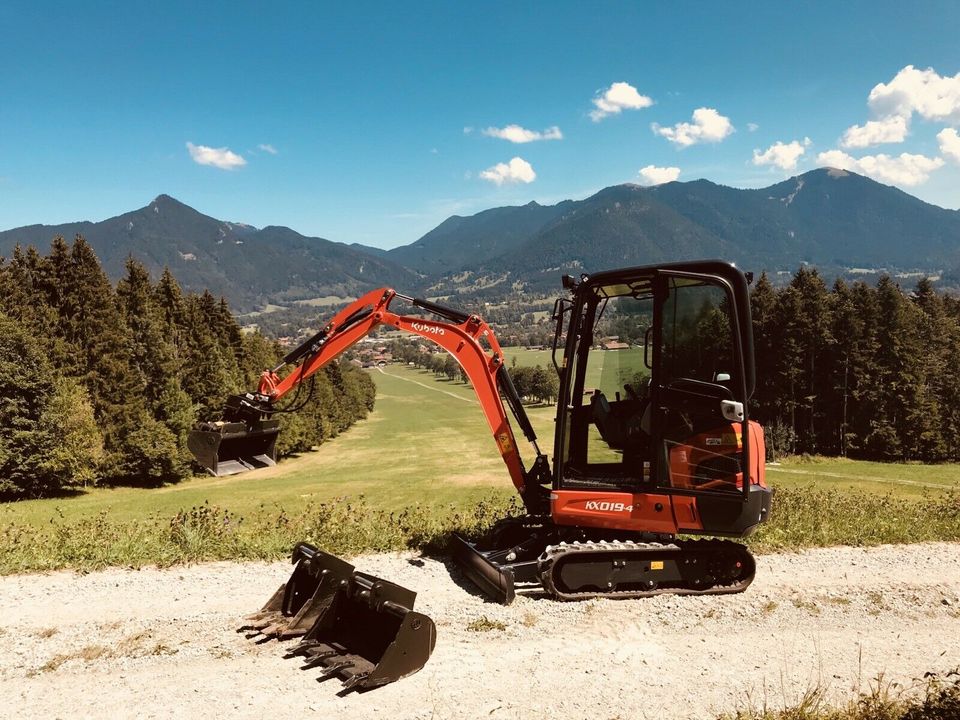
373 122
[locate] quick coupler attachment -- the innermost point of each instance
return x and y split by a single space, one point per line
355 626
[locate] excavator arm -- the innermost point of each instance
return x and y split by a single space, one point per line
246 437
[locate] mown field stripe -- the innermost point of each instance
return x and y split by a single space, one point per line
869 478
445 392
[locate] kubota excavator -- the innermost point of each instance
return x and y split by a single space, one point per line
653 440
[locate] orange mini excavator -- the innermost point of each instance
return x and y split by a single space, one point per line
653 441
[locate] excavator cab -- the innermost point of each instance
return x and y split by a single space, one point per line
656 376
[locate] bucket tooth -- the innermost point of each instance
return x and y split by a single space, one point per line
301 648
355 680
334 670
312 661
263 622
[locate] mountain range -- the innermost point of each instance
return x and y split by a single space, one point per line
837 220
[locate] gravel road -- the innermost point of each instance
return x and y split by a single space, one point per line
161 643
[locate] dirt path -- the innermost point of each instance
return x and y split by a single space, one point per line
160 643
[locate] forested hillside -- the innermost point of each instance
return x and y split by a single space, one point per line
101 383
856 370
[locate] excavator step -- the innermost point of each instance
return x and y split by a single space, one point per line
353 625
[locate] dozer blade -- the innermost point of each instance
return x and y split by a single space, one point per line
228 448
354 625
495 580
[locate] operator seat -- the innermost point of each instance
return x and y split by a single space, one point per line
619 432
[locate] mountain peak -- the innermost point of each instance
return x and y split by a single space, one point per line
163 200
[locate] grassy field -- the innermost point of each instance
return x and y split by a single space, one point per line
425 443
420 464
599 359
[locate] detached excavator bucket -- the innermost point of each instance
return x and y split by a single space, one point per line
228 448
356 626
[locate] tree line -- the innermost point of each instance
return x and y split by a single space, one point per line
100 384
532 383
869 372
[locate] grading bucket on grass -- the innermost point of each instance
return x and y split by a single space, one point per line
356 626
228 448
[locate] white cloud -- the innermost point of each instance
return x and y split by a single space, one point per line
949 144
906 169
783 156
752 127
517 134
653 175
222 158
892 129
268 148
468 129
615 99
932 96
708 126
517 170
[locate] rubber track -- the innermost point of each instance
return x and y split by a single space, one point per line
631 548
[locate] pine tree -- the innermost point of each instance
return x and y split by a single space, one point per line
847 326
210 372
91 323
925 418
48 440
154 358
169 300
886 438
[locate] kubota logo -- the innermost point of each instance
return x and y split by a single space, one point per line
432 329
605 506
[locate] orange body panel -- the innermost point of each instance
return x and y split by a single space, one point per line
712 449
613 510
664 513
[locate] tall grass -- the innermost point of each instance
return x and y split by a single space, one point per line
207 532
814 517
801 518
937 698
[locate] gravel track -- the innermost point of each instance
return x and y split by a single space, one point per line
161 643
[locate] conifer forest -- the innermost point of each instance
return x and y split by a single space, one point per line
100 384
